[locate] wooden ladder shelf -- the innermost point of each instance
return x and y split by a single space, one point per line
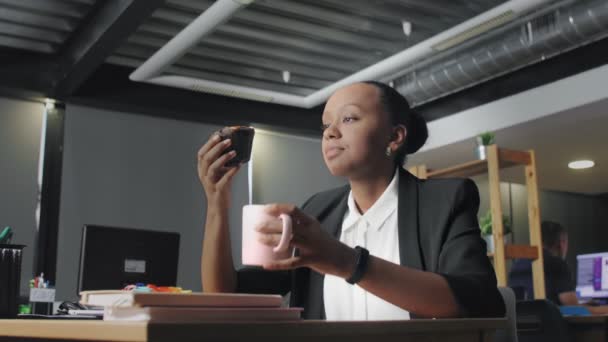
499 158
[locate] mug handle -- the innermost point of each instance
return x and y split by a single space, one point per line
285 235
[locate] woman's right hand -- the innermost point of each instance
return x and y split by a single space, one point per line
215 177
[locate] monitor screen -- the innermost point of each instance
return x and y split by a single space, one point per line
592 275
111 258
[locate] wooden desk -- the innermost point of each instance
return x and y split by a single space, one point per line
588 328
481 330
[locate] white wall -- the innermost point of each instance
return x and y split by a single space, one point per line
20 128
128 170
555 97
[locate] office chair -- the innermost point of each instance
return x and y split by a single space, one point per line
510 333
520 293
540 321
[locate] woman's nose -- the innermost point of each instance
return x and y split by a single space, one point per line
331 132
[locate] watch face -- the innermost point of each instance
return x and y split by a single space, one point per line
360 266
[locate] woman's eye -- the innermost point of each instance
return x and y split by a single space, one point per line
324 127
348 119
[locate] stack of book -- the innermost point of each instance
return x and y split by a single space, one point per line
189 307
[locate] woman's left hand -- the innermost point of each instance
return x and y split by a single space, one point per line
317 249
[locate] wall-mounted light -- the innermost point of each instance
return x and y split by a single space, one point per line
49 104
581 164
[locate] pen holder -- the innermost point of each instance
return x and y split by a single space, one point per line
42 300
10 279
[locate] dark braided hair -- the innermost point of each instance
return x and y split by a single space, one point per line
400 112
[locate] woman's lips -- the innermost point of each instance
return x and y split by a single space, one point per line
333 152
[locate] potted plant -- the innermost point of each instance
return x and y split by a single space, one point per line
485 225
483 140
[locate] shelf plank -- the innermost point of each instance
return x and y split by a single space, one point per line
507 158
519 252
467 169
513 157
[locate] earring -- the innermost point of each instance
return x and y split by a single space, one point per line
388 151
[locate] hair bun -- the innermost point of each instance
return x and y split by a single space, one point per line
400 111
417 132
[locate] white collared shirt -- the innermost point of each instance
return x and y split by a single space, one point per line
376 230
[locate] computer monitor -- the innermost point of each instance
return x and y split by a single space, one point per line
592 275
111 258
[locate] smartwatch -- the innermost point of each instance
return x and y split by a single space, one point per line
360 265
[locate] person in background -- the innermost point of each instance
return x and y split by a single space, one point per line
560 285
386 246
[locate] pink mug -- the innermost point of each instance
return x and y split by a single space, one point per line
254 252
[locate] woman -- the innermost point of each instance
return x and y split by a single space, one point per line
411 246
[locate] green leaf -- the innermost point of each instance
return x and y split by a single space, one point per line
485 224
486 138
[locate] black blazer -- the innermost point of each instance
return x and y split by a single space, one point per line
438 232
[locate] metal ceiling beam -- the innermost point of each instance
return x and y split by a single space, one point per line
303 28
62 9
241 80
317 31
477 6
248 47
288 55
352 23
26 44
164 27
302 43
216 59
221 66
84 2
149 45
109 26
445 9
16 30
372 9
36 20
178 70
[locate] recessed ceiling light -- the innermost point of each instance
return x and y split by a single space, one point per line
581 164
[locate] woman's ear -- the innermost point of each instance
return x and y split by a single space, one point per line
398 137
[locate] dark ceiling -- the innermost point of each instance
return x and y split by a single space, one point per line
82 51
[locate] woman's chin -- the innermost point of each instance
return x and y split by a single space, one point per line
338 170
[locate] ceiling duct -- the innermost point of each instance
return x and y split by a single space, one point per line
565 26
475 31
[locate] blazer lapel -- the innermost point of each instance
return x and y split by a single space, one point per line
410 251
333 222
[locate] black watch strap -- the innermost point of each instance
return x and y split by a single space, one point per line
360 266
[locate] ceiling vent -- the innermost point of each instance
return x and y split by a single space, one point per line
475 31
555 29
